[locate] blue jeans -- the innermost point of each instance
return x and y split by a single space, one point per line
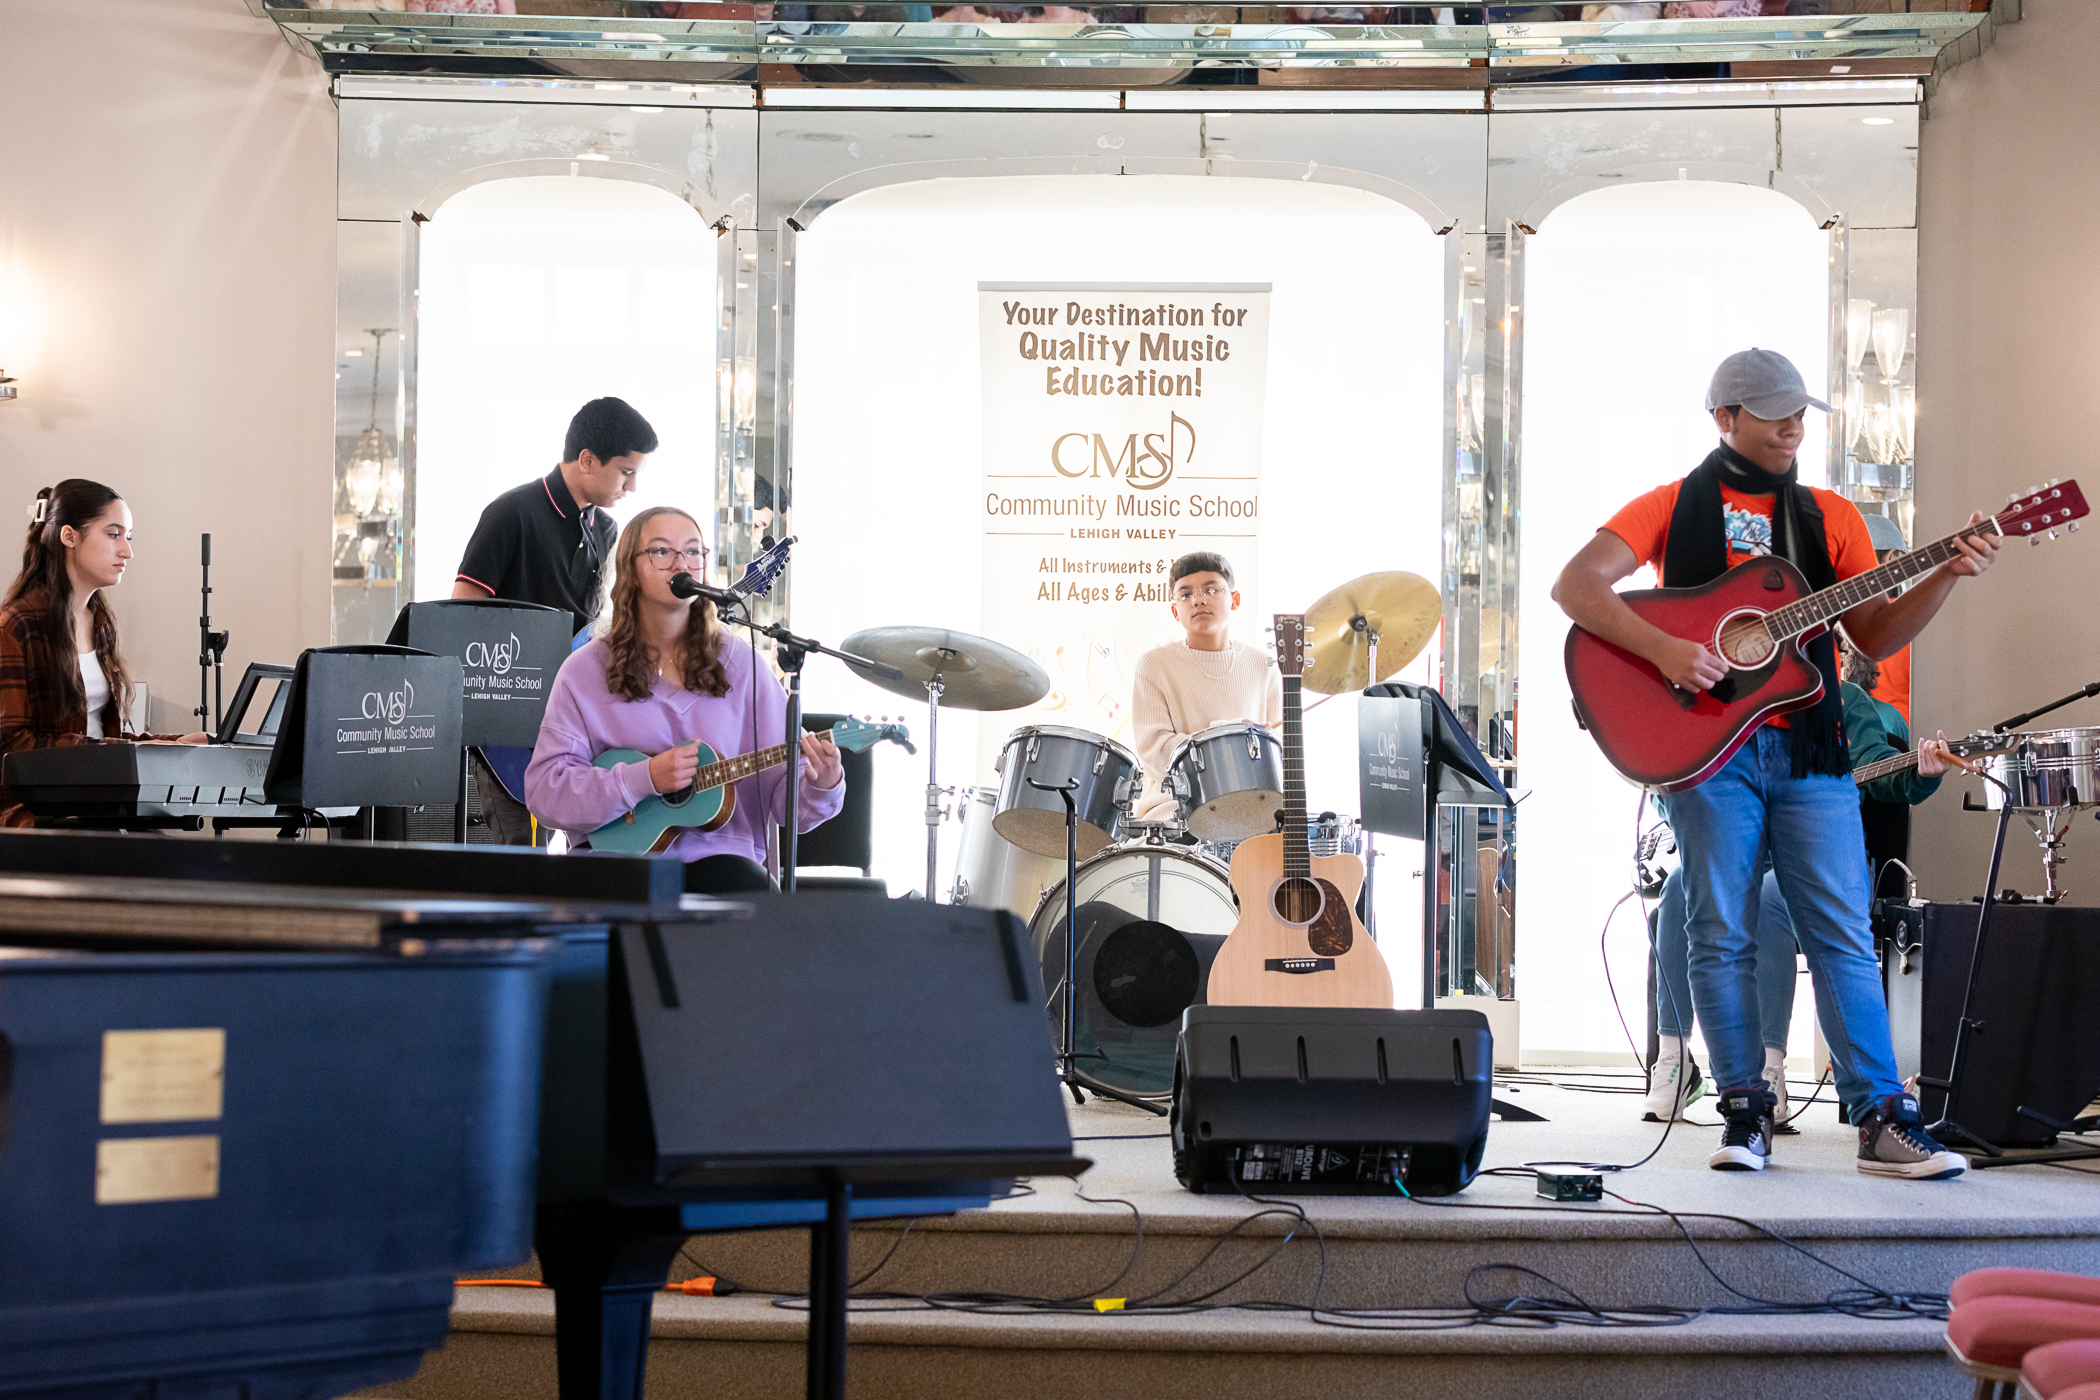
1749 812
1776 973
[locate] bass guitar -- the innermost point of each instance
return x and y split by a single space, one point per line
709 800
1298 941
1755 618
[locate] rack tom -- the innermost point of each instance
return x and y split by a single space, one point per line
1105 775
1230 781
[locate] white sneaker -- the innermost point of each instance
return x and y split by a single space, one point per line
1775 1082
1674 1083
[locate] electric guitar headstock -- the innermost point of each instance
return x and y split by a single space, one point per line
2042 510
1290 643
761 572
859 734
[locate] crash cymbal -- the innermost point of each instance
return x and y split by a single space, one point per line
976 673
1402 608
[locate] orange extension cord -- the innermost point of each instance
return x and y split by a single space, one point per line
692 1287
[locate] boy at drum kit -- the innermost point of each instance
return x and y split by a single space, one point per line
1201 681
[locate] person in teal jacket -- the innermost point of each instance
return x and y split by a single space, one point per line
1874 730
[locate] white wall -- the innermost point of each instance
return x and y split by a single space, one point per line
888 444
2007 238
167 256
1632 297
539 295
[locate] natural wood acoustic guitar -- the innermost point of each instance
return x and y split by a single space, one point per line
1298 941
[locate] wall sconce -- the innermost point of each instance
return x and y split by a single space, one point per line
1891 341
373 465
1859 332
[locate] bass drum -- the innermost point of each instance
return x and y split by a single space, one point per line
1150 921
990 871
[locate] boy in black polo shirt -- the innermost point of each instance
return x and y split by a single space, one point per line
546 542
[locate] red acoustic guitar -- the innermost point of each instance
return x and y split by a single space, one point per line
1755 617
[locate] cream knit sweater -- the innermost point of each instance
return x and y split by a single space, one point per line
1173 695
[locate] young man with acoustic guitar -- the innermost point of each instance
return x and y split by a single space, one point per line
1786 792
1204 679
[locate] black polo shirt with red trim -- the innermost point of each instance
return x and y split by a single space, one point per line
535 545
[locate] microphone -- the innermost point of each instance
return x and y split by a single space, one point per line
684 585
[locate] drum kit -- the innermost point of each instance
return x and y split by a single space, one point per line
1154 898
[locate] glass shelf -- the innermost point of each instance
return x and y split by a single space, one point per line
733 36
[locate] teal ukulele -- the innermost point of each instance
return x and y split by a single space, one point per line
710 800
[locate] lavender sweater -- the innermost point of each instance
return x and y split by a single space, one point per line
584 719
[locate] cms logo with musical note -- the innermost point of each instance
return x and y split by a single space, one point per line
1144 461
392 706
494 657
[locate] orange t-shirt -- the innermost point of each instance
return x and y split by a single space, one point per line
1644 523
1894 686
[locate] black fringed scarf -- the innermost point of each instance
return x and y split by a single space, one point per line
1697 552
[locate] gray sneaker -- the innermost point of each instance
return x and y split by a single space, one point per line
1893 1142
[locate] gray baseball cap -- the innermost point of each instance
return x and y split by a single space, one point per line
1885 533
1763 381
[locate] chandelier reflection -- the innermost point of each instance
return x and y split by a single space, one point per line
369 501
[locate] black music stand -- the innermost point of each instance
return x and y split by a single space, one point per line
367 726
901 1067
1414 757
508 653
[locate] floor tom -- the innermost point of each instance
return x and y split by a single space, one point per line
990 871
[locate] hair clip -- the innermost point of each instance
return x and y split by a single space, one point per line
39 509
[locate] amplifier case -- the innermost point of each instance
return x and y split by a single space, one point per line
1342 1078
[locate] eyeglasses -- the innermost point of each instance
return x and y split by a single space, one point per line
1210 590
664 557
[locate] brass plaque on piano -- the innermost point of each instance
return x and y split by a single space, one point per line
173 1076
129 1171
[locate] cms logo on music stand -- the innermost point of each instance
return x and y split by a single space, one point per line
496 658
391 706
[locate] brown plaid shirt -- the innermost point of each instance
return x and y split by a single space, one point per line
30 713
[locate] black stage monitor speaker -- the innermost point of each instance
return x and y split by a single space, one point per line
1331 1101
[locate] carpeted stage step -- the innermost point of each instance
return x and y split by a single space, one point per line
1378 1252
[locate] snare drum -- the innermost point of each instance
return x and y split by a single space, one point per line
2053 768
1230 781
990 871
1107 774
1149 923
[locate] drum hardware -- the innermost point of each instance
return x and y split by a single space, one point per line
1068 1055
955 669
1150 918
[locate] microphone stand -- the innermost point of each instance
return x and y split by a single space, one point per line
790 650
211 658
2017 720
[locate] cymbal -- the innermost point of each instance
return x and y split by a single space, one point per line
1402 608
976 673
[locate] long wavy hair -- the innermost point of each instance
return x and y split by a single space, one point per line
631 662
44 584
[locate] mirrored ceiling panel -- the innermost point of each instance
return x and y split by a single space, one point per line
1434 45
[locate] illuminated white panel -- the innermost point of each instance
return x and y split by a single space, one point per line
539 295
1632 297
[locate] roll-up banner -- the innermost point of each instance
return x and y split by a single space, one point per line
1122 429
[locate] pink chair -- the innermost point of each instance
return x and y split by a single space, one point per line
2025 1283
1989 1337
2062 1371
